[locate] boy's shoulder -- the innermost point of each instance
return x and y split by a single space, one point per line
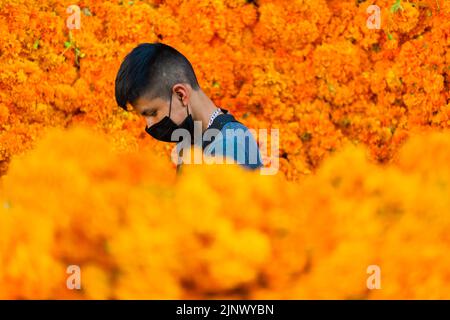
234 125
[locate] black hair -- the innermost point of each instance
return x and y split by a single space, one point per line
152 69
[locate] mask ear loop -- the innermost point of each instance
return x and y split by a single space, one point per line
187 108
170 105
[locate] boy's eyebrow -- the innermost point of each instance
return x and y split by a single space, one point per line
148 109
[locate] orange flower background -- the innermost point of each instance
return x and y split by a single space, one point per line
311 68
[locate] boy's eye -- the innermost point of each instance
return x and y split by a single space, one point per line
149 113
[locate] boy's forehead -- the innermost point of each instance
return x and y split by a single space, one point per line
144 103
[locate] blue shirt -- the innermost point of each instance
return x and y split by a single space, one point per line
237 143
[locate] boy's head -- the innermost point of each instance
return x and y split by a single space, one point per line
149 75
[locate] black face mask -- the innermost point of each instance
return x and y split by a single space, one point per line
163 129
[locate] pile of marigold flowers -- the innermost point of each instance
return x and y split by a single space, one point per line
137 231
311 68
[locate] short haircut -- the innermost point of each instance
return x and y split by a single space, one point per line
152 69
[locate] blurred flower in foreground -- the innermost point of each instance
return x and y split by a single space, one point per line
219 231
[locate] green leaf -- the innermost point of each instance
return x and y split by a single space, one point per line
306 136
390 37
396 6
87 12
392 128
36 44
345 122
331 88
376 47
67 44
